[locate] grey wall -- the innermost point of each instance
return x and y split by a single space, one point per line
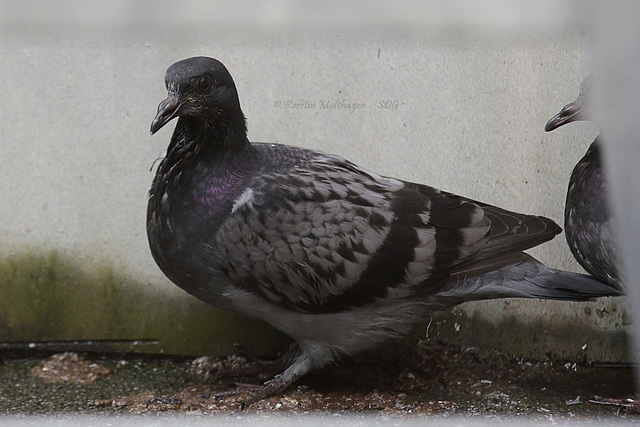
76 154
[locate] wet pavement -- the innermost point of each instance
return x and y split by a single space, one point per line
435 379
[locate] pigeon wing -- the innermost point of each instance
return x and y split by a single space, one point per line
323 235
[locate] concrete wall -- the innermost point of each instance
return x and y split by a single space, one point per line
467 115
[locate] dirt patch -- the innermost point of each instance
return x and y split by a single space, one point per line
69 367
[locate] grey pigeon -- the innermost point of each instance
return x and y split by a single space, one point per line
588 220
339 258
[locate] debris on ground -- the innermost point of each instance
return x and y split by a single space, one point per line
69 367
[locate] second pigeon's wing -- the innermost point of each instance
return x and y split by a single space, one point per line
320 234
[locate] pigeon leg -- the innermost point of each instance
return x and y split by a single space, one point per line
305 360
296 369
259 366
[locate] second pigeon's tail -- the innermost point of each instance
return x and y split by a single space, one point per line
527 278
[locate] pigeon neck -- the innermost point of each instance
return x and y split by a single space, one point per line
196 147
201 135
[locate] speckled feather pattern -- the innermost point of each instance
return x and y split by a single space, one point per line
311 231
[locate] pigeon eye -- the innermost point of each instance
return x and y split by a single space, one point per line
205 84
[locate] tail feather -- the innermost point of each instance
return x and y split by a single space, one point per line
527 278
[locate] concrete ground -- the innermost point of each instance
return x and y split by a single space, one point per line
435 379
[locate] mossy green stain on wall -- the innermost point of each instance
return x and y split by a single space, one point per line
48 297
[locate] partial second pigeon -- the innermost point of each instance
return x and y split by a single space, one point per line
339 258
588 220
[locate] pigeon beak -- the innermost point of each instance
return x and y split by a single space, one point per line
570 113
167 110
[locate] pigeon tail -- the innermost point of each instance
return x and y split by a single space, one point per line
527 278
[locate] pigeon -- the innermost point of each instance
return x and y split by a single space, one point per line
337 257
588 219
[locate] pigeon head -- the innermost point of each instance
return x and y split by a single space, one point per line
203 89
577 110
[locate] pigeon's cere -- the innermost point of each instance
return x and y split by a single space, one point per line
339 258
588 220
